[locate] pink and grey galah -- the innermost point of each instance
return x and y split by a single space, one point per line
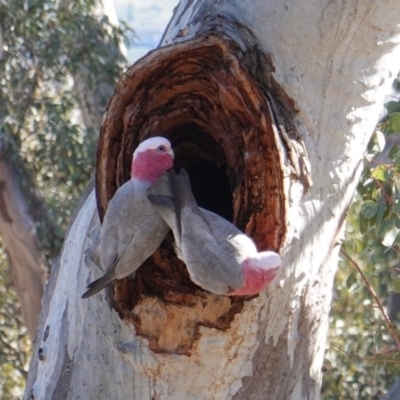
219 257
132 228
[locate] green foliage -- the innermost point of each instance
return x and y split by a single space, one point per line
14 343
359 361
45 44
362 361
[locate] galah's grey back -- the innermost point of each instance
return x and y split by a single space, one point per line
132 228
214 250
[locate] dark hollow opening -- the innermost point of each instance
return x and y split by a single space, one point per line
205 161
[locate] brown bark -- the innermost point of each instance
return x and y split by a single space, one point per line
19 238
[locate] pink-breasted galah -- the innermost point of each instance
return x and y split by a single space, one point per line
219 257
132 228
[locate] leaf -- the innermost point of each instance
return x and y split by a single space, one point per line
390 237
396 284
376 194
392 106
369 209
380 173
377 143
394 123
384 227
380 213
380 140
363 223
391 366
351 280
394 152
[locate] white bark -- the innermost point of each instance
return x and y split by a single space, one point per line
336 60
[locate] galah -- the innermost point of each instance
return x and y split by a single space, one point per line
132 228
219 257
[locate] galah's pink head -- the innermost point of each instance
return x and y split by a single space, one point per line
258 272
151 159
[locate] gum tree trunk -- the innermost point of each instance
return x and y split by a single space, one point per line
19 238
269 106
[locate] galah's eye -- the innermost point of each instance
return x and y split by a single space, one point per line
161 148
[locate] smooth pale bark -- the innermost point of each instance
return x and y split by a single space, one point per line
336 60
394 392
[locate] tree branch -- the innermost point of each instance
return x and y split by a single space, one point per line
389 324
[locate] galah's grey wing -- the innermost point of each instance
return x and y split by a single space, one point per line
118 224
100 283
161 196
229 238
211 261
144 242
219 226
164 196
132 230
209 265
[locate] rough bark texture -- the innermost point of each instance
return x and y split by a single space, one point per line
20 241
243 107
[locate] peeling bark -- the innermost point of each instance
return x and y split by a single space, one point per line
243 97
20 241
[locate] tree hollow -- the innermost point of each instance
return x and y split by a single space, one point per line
199 96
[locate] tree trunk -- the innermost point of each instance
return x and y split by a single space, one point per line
247 90
20 241
394 392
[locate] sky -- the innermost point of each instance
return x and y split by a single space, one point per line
148 18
